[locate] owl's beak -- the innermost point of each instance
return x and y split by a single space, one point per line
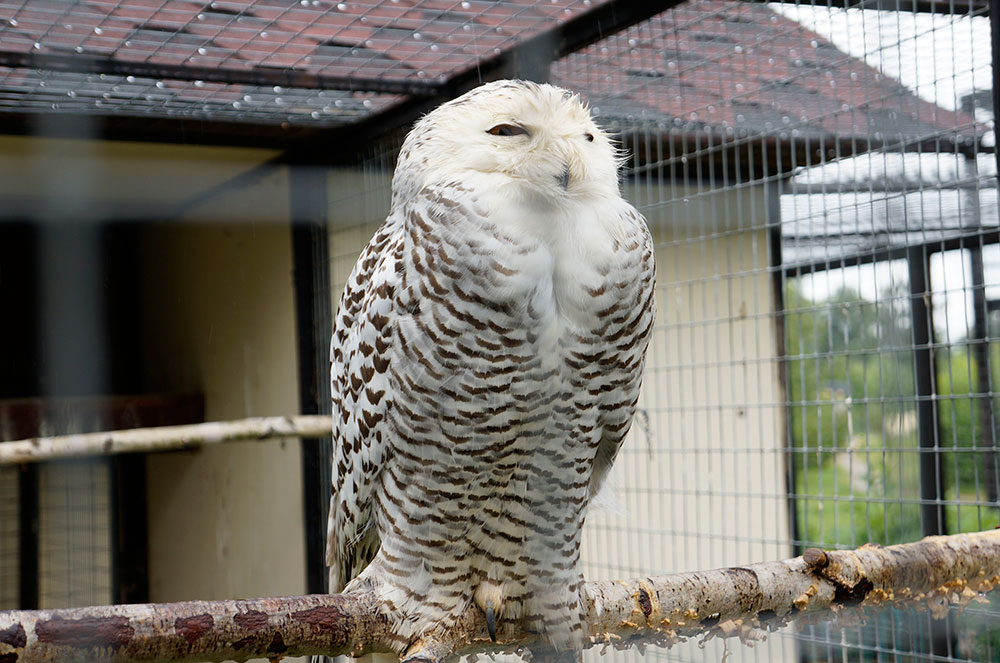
563 179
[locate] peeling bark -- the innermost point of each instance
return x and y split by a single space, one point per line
743 602
162 438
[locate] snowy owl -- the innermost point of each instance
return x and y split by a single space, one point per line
486 360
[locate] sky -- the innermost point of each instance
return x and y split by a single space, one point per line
940 58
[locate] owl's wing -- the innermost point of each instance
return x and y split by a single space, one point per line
361 394
628 333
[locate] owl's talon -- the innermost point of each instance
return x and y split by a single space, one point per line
491 623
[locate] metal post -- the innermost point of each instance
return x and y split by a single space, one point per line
772 202
985 441
995 34
313 321
27 535
932 514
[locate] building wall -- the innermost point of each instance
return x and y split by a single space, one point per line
216 316
226 521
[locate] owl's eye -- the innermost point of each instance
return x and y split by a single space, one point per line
589 137
507 130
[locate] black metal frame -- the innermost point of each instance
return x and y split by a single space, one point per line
313 322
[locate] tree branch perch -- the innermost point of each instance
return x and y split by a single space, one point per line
162 438
739 602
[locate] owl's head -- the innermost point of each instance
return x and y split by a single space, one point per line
523 139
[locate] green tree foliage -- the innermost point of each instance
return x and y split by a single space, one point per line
853 425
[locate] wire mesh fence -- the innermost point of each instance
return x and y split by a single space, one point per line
821 185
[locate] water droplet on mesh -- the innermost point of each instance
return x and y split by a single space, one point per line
263 33
314 115
434 47
738 48
202 51
276 89
367 103
71 93
78 49
417 36
161 84
341 6
98 31
237 105
130 79
465 5
37 45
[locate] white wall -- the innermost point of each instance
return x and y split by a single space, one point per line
226 521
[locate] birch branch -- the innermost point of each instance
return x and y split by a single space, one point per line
743 602
161 438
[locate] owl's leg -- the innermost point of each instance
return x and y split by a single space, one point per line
491 623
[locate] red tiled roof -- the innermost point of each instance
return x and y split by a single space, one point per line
739 68
719 66
423 39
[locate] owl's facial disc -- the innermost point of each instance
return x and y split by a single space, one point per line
512 139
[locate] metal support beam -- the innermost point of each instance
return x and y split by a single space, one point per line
260 75
986 435
27 537
313 322
772 203
995 34
932 513
960 240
